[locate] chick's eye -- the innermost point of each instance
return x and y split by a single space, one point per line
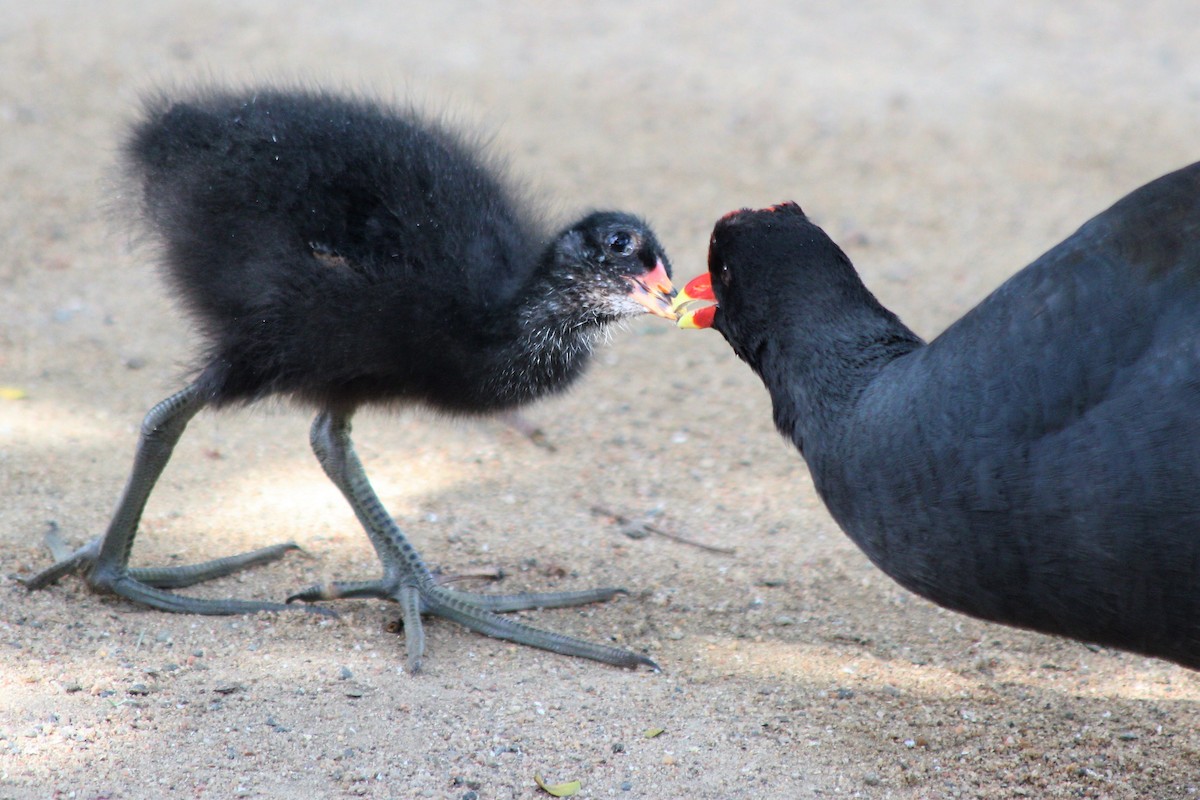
620 243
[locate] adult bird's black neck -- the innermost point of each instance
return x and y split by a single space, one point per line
817 366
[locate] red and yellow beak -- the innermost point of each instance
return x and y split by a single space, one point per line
698 290
654 291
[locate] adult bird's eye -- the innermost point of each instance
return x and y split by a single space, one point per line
724 274
620 243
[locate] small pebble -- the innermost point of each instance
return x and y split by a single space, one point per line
344 673
626 786
65 313
635 530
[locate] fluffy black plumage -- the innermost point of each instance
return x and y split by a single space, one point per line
1036 464
340 252
346 252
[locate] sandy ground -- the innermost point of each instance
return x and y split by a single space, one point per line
944 147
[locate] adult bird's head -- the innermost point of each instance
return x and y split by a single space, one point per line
762 266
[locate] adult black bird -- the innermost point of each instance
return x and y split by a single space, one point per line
1038 463
341 252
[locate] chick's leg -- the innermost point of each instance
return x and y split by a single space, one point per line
409 582
105 561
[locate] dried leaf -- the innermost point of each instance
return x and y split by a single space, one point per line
567 789
652 732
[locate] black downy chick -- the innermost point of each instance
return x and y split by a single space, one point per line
1037 463
341 252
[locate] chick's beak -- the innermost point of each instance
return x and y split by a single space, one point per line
654 291
687 313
